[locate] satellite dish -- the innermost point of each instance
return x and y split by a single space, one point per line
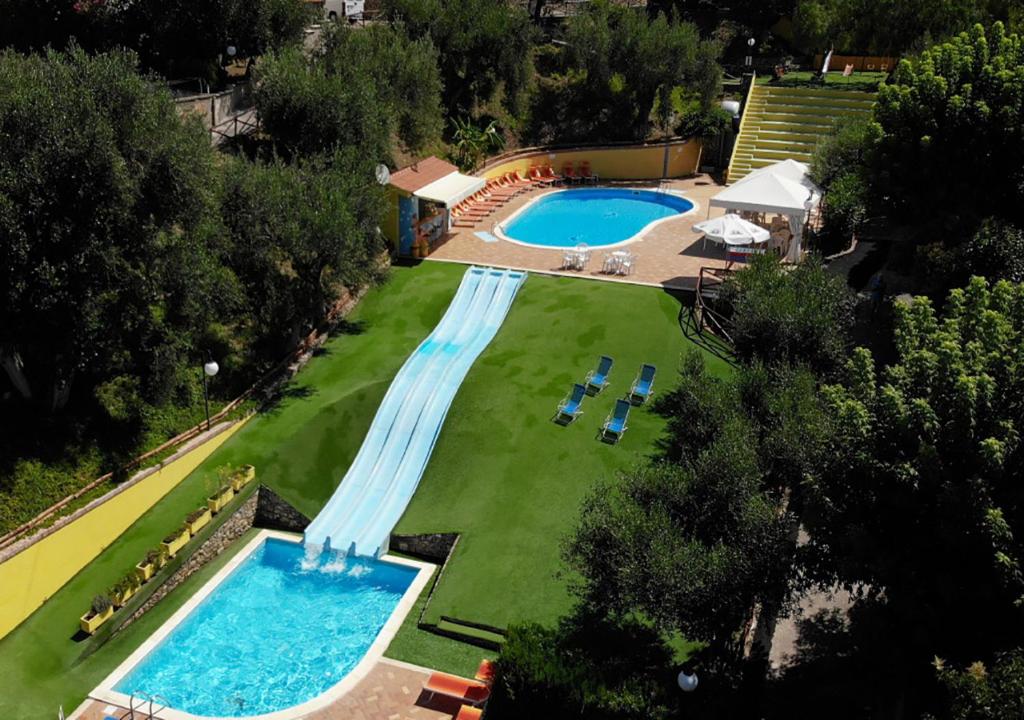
382 174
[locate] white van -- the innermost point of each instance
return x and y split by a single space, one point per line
337 9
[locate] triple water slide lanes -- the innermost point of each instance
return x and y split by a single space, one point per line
359 517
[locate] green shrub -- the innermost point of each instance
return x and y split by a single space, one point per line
845 206
585 667
100 604
799 315
996 252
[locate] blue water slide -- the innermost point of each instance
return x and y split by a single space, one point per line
410 372
390 502
360 505
377 487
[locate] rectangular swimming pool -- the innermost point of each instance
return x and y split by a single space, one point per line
276 631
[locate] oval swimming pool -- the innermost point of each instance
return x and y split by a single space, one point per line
598 217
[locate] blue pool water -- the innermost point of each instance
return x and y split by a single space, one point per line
272 634
597 217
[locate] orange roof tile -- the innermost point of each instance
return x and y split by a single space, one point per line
421 174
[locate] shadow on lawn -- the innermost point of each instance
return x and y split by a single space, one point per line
289 391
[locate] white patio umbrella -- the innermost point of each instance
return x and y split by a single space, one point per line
731 229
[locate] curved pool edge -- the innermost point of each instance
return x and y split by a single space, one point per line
499 232
105 692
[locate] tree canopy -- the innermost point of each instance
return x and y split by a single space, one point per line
918 502
484 49
791 315
365 88
893 27
623 73
101 187
177 38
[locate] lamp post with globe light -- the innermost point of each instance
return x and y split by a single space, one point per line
749 60
687 680
210 368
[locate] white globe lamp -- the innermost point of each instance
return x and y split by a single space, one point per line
687 681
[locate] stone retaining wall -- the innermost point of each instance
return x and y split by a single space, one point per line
275 513
433 547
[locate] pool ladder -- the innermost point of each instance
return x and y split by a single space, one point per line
144 699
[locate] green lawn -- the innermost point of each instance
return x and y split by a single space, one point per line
502 474
834 80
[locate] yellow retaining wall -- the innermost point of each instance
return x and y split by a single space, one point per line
637 162
390 226
29 578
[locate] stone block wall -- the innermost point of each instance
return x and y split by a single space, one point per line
275 513
433 547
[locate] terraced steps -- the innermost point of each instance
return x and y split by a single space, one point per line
788 122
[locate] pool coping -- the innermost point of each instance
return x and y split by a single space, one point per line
499 231
104 692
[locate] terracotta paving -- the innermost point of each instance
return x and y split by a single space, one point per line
670 255
390 691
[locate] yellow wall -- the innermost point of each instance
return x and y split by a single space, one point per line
615 163
390 226
29 578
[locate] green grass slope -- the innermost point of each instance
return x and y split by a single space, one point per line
502 474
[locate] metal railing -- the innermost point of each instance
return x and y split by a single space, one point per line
144 699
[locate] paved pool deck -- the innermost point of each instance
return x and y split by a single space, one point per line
670 255
392 690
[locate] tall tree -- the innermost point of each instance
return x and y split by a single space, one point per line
919 500
485 49
177 38
364 88
299 235
891 27
621 73
101 188
694 541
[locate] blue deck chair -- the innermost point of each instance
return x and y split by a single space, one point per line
615 426
569 409
643 386
598 379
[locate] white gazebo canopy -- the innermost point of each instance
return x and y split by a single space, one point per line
767 193
731 229
788 168
451 189
782 189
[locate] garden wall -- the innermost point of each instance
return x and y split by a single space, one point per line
30 576
677 158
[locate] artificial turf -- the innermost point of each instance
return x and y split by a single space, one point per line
502 474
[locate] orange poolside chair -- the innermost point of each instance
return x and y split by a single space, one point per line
569 174
468 712
549 172
538 177
473 692
584 172
516 181
501 187
485 672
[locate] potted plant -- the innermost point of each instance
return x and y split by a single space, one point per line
219 499
176 540
153 561
101 610
242 477
197 519
124 589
